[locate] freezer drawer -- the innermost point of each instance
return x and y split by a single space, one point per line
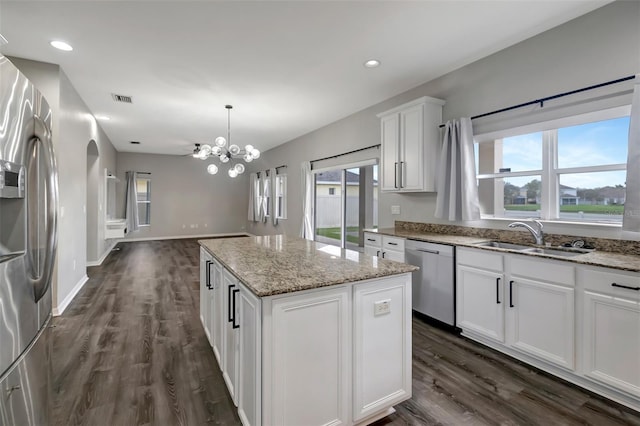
26 388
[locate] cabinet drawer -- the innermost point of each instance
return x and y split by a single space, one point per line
482 259
542 270
603 280
371 239
392 243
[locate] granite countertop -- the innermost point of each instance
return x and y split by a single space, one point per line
625 262
277 264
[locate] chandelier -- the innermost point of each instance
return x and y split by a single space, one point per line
226 152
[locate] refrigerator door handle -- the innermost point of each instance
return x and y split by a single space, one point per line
43 136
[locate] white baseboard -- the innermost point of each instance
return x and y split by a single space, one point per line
58 310
104 255
182 237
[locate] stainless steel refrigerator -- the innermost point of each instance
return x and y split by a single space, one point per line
28 208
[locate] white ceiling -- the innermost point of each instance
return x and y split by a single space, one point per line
287 67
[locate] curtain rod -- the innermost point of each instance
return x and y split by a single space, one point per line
541 101
284 166
345 153
143 173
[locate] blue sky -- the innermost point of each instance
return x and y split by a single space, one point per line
599 143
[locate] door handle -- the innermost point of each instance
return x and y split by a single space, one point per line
393 244
395 175
511 294
371 239
11 390
383 255
208 274
498 290
230 296
429 251
401 174
42 134
233 320
625 286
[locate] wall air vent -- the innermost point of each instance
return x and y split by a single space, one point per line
122 98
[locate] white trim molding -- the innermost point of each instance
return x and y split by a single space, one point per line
58 310
104 255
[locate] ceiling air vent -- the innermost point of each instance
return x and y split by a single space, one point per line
122 98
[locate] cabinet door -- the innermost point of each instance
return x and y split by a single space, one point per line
480 301
250 359
381 345
412 149
308 346
398 256
389 162
541 320
230 334
216 311
203 287
611 341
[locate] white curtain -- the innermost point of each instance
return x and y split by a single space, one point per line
306 230
631 219
456 179
274 199
131 208
265 196
254 207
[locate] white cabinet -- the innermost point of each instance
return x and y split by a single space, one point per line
480 297
522 304
611 333
384 246
540 312
230 335
308 359
205 289
381 346
215 309
410 143
250 358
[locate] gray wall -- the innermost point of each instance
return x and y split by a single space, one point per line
73 128
185 199
596 47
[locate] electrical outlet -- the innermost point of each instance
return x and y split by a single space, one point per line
395 209
381 307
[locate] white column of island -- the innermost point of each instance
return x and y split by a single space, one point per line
306 333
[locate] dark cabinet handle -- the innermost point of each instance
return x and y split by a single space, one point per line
393 244
208 273
230 296
625 286
511 294
370 239
395 175
498 291
383 255
378 253
401 179
233 298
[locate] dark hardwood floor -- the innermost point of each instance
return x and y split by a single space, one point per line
130 350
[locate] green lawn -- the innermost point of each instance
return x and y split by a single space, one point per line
585 208
334 233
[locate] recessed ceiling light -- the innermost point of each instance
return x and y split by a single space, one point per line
61 45
134 143
372 63
102 117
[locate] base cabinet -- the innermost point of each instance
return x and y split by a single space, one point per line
339 355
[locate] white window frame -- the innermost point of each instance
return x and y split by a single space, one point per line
148 201
281 213
550 172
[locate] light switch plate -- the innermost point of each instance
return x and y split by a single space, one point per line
381 307
395 209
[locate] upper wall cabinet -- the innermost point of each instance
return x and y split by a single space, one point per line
410 145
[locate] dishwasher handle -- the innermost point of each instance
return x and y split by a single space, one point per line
427 251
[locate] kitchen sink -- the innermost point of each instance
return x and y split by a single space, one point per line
568 252
500 244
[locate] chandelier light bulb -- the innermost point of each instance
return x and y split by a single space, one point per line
248 158
234 149
212 169
205 150
239 168
216 150
224 158
202 155
196 154
255 154
232 172
248 148
221 142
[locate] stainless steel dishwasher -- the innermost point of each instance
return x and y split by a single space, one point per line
434 284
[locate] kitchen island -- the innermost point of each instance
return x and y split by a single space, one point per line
307 333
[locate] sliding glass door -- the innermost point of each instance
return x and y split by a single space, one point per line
346 203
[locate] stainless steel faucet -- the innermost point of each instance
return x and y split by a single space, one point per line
535 233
